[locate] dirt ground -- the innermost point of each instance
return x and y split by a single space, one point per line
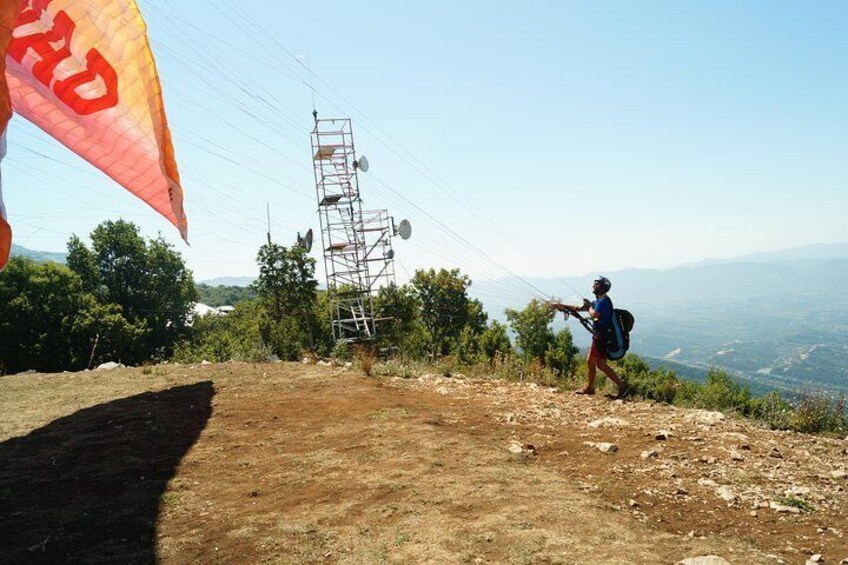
290 463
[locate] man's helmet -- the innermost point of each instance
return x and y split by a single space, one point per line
604 285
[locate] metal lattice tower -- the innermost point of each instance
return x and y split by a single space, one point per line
356 243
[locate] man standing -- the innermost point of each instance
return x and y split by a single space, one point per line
601 312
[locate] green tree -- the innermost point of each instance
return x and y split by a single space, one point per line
532 329
49 323
100 333
147 279
224 295
562 352
399 309
445 306
37 303
494 343
288 288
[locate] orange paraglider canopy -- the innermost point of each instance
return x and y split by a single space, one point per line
83 71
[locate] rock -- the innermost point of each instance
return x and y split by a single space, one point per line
703 560
753 513
775 453
705 417
609 422
515 448
707 483
782 509
817 558
603 447
726 494
736 456
839 474
632 503
306 361
742 438
797 491
323 363
205 362
650 454
110 366
662 435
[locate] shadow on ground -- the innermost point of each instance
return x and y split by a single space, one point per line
87 487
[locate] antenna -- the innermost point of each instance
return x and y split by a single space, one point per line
362 164
268 206
404 229
306 241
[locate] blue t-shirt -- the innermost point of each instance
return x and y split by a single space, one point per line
603 306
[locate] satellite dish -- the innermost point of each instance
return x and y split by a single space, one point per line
305 241
404 229
390 254
362 164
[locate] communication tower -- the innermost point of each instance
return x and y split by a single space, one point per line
357 244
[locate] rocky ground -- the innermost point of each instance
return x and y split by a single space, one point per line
290 463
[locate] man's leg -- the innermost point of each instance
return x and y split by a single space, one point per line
592 363
608 371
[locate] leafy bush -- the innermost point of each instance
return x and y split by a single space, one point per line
816 412
719 392
467 347
494 344
237 336
561 355
342 351
772 410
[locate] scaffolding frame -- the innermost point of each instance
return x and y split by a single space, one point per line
356 244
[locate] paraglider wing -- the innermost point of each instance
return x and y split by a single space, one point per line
83 71
8 14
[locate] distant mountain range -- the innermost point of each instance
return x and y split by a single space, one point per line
778 319
40 256
229 281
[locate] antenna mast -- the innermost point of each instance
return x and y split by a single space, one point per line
357 244
268 206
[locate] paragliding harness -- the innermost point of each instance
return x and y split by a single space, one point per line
613 341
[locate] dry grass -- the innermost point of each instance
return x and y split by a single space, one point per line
306 464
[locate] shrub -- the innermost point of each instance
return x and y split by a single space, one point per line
719 392
367 356
816 412
467 347
772 410
562 353
342 351
495 344
660 385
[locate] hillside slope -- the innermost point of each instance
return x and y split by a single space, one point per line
296 463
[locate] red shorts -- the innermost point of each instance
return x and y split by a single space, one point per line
595 354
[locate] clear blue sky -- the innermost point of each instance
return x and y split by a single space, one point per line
590 135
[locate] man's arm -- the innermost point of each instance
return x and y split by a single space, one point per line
585 307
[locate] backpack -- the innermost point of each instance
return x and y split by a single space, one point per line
616 340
